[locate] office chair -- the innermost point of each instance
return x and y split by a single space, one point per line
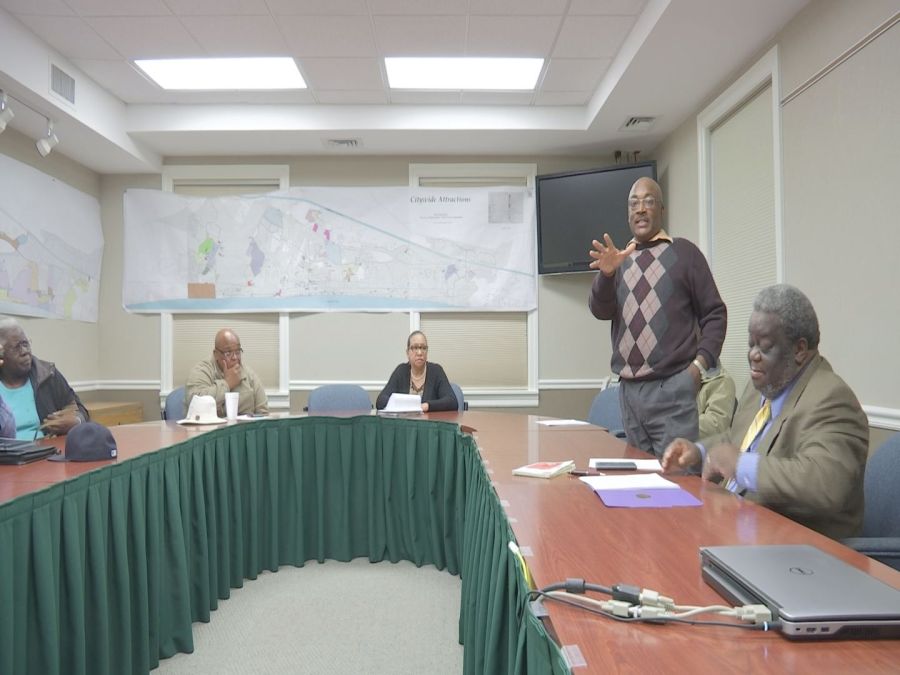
457 391
881 523
174 409
605 411
338 398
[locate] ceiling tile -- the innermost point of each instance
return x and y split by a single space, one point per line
497 97
119 7
121 79
562 98
218 7
70 36
622 7
511 36
147 37
237 35
574 74
592 36
37 7
328 97
344 74
289 7
421 35
407 7
425 97
346 36
519 7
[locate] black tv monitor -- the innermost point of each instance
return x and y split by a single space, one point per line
576 207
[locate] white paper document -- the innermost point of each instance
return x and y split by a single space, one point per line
562 423
631 481
404 403
639 464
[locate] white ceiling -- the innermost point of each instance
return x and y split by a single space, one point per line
605 61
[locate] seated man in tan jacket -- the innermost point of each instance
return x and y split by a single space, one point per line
799 439
226 372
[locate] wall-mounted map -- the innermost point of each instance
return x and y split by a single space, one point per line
331 249
51 246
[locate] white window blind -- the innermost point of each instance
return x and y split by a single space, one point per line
743 240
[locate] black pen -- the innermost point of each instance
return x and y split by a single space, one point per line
585 472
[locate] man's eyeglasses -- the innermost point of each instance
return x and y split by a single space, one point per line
231 353
418 348
649 202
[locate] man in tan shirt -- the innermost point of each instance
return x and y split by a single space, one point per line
225 372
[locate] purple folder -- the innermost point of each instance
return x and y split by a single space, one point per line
653 498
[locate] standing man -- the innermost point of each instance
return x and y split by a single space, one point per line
799 440
40 398
668 322
225 372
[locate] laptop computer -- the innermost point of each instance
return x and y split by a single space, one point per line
811 593
21 452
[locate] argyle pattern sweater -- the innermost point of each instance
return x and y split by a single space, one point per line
665 308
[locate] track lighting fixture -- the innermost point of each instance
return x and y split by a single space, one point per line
47 143
6 113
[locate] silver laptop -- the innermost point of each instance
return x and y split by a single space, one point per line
811 593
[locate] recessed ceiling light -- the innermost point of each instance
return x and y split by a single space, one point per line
224 74
463 73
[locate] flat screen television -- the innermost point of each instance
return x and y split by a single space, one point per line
577 206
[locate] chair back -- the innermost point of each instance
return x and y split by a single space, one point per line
605 411
174 408
882 514
460 400
338 398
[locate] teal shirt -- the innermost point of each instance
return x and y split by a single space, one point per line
21 402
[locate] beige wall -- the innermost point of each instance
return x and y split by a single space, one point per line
841 148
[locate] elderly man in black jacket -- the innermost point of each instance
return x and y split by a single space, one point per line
38 394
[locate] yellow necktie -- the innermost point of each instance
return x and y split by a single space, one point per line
759 422
756 426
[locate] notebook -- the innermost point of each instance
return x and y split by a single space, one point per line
22 452
813 594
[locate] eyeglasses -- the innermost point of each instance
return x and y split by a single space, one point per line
231 353
648 202
418 348
22 347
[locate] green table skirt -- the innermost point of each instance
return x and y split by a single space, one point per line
105 573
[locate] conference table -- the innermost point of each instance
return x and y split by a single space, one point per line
105 566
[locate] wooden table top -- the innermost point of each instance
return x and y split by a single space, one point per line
571 534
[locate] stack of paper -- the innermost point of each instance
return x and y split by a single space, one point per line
403 404
545 469
640 490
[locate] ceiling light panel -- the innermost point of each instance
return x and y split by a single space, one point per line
500 74
230 74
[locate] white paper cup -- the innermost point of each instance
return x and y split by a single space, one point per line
231 404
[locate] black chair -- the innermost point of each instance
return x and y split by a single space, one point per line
881 523
457 391
605 411
338 398
174 408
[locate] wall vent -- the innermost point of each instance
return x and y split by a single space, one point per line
342 143
62 83
638 124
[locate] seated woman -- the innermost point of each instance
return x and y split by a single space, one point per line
418 376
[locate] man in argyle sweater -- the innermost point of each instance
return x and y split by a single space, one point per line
668 322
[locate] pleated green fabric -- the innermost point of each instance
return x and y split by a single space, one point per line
104 574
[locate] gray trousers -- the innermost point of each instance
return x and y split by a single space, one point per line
656 412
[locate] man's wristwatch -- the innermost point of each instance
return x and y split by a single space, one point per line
703 372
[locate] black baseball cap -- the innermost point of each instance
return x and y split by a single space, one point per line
88 442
